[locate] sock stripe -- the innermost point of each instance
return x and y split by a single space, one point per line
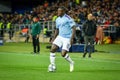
66 56
52 58
52 55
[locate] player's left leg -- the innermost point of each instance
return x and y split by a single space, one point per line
85 46
38 45
34 44
65 49
55 45
91 46
67 57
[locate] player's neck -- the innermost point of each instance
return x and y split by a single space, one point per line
62 15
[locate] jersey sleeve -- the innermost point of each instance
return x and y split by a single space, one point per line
71 22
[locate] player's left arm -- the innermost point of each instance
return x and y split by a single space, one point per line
73 34
38 29
95 28
73 27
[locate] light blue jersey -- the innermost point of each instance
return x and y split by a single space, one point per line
65 24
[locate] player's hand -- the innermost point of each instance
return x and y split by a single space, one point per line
37 36
52 40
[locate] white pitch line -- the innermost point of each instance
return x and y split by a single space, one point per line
99 60
83 59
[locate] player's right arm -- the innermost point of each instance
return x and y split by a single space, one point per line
56 32
83 29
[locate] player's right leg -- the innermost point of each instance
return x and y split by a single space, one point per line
52 58
91 46
56 44
85 46
34 44
38 45
52 54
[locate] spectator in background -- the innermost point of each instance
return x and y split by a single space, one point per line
10 29
1 29
25 32
54 16
99 35
82 16
103 10
46 4
45 31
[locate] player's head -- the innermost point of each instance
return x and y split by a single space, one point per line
35 19
61 11
90 16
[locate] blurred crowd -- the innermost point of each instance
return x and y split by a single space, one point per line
106 12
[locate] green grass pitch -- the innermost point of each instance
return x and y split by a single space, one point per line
16 63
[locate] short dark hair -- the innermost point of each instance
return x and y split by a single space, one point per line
63 8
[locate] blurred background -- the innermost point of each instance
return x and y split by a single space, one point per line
16 18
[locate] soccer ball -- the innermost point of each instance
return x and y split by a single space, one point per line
51 68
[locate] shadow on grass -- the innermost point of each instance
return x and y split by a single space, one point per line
102 51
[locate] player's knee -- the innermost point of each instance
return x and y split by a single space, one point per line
63 55
53 48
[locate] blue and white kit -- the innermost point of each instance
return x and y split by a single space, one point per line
64 24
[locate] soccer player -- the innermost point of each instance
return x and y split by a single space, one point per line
63 37
36 29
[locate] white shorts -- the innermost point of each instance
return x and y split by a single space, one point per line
62 42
